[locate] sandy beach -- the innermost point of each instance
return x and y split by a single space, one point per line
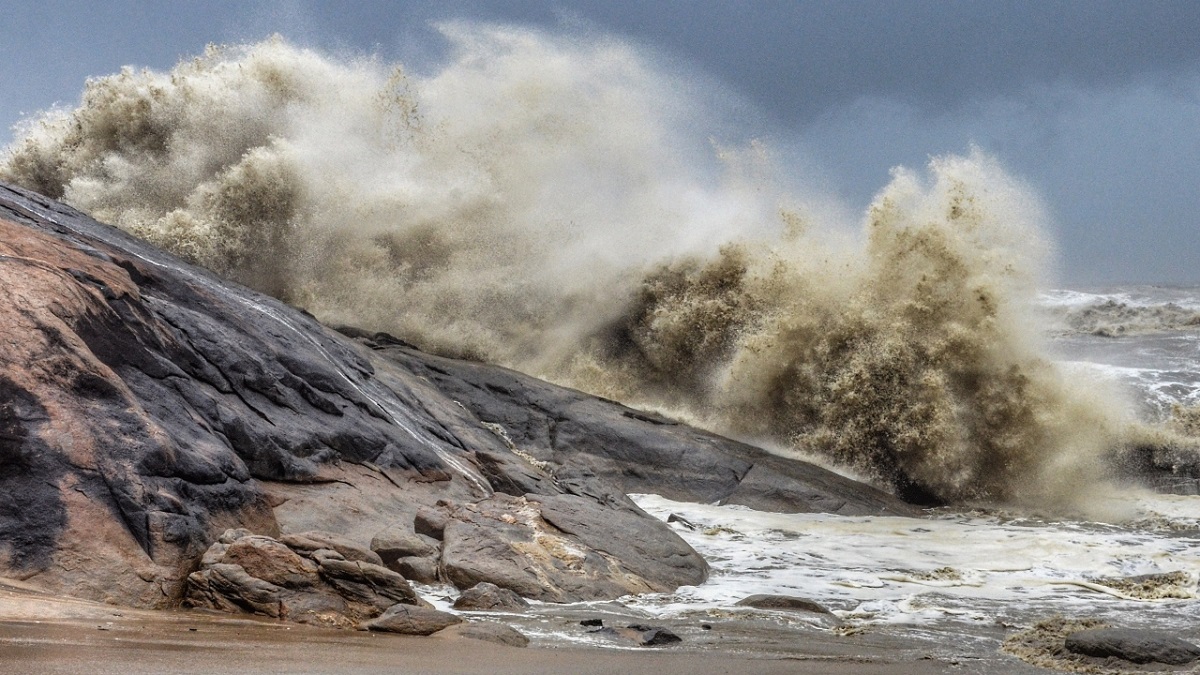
43 634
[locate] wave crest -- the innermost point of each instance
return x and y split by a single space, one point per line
543 203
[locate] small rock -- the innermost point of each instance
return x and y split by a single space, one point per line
640 635
485 596
1138 646
488 632
430 522
676 518
592 622
785 603
411 620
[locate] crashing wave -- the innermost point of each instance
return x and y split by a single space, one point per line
543 203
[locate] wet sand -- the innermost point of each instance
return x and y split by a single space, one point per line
44 634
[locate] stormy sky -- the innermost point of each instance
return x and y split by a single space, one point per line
1095 103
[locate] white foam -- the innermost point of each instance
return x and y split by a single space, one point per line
958 567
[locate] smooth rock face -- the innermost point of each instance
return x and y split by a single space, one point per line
146 407
484 597
786 603
410 620
1137 646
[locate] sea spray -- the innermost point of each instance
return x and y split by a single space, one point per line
544 203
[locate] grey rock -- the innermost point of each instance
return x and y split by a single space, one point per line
640 635
420 570
599 448
368 584
430 522
410 620
488 632
395 544
630 536
513 543
1137 646
786 603
314 540
485 596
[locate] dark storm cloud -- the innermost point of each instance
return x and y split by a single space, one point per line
1096 103
800 59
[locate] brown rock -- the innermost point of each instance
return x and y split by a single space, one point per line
488 631
484 597
313 540
411 620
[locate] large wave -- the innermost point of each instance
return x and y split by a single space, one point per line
544 202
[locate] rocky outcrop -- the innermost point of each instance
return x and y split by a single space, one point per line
147 406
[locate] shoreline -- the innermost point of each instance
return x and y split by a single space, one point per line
40 633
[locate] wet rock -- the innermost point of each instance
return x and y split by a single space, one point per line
599 448
484 597
561 549
411 620
640 635
676 518
1137 646
488 632
628 535
784 603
